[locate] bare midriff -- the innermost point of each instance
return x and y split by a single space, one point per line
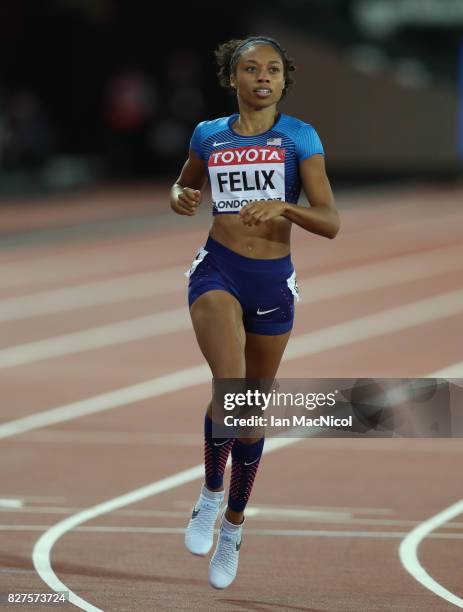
269 240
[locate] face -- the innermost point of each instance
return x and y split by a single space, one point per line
259 76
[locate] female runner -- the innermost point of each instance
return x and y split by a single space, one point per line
242 283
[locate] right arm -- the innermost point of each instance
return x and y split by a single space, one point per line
185 194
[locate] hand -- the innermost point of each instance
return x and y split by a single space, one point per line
258 212
187 202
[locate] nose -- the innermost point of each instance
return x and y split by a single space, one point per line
263 76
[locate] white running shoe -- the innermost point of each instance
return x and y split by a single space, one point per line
199 535
224 562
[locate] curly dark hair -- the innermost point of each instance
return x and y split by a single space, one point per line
228 53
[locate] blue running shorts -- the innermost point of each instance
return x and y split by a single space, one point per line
265 288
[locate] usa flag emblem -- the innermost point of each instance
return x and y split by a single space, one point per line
276 142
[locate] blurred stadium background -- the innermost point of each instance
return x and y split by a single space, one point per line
98 99
96 91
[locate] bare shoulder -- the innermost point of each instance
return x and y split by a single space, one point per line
193 173
315 181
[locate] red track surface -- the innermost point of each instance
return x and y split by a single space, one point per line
350 486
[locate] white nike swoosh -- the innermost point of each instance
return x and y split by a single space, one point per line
252 461
217 144
261 312
221 443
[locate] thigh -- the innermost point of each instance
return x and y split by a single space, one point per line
268 302
218 323
264 353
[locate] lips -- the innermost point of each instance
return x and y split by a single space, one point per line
263 92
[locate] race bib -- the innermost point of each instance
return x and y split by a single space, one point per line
246 174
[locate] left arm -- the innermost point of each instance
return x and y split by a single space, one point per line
321 218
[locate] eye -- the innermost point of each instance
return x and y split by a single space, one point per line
274 69
250 68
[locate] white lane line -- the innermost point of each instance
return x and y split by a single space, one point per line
62 268
97 337
381 274
359 279
42 549
11 503
180 379
313 517
120 289
133 438
107 437
452 371
408 552
251 531
109 260
342 334
42 498
323 286
383 322
66 267
287 515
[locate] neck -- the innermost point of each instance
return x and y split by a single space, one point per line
252 121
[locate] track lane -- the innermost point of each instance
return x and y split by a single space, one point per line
170 584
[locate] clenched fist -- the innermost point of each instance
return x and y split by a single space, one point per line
186 201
